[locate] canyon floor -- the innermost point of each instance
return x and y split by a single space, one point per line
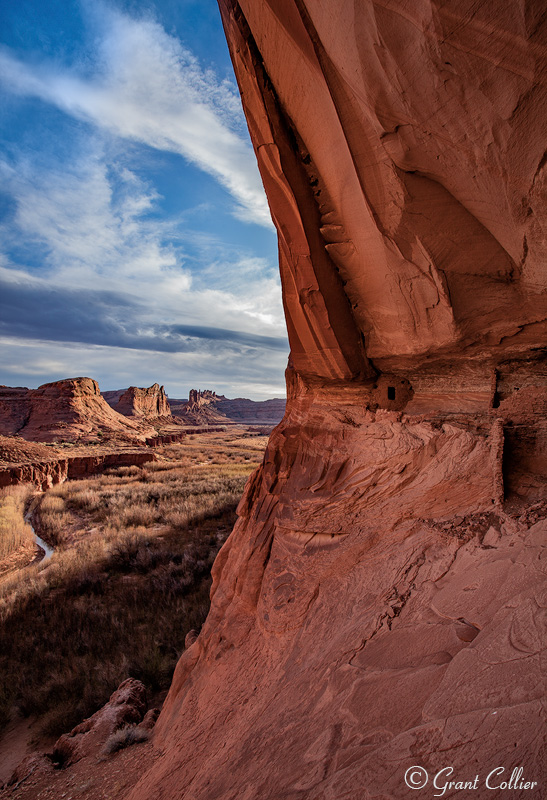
128 581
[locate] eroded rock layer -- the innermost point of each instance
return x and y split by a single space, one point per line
136 402
70 409
381 601
48 473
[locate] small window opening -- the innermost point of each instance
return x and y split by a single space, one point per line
391 392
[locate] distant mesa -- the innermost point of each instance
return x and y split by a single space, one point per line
203 407
208 408
67 410
74 409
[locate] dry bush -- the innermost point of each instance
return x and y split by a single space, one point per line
52 521
54 526
124 472
161 466
86 499
124 737
52 503
137 514
14 530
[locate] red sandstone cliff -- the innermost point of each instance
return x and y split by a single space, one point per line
381 601
135 402
64 410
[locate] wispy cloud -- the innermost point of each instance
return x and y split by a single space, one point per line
111 277
33 310
227 371
148 88
94 278
89 221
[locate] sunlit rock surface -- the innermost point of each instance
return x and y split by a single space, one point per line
381 601
71 409
136 402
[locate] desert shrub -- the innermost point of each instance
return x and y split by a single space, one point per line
52 519
14 529
175 461
52 503
124 471
86 499
119 601
54 526
124 737
138 514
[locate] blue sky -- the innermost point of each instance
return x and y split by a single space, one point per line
135 239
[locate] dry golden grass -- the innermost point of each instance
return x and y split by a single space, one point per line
129 578
14 530
54 521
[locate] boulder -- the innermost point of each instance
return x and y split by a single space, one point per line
126 706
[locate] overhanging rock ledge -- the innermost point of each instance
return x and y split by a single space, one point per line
381 601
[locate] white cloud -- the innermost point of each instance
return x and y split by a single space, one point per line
89 222
84 222
149 89
115 368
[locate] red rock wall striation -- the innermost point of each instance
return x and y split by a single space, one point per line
135 402
166 438
379 602
45 474
82 466
42 474
64 410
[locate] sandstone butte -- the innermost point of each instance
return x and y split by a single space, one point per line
136 402
381 601
71 409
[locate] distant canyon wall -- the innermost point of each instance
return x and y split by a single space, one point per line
207 407
45 474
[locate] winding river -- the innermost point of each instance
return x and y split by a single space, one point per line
48 551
